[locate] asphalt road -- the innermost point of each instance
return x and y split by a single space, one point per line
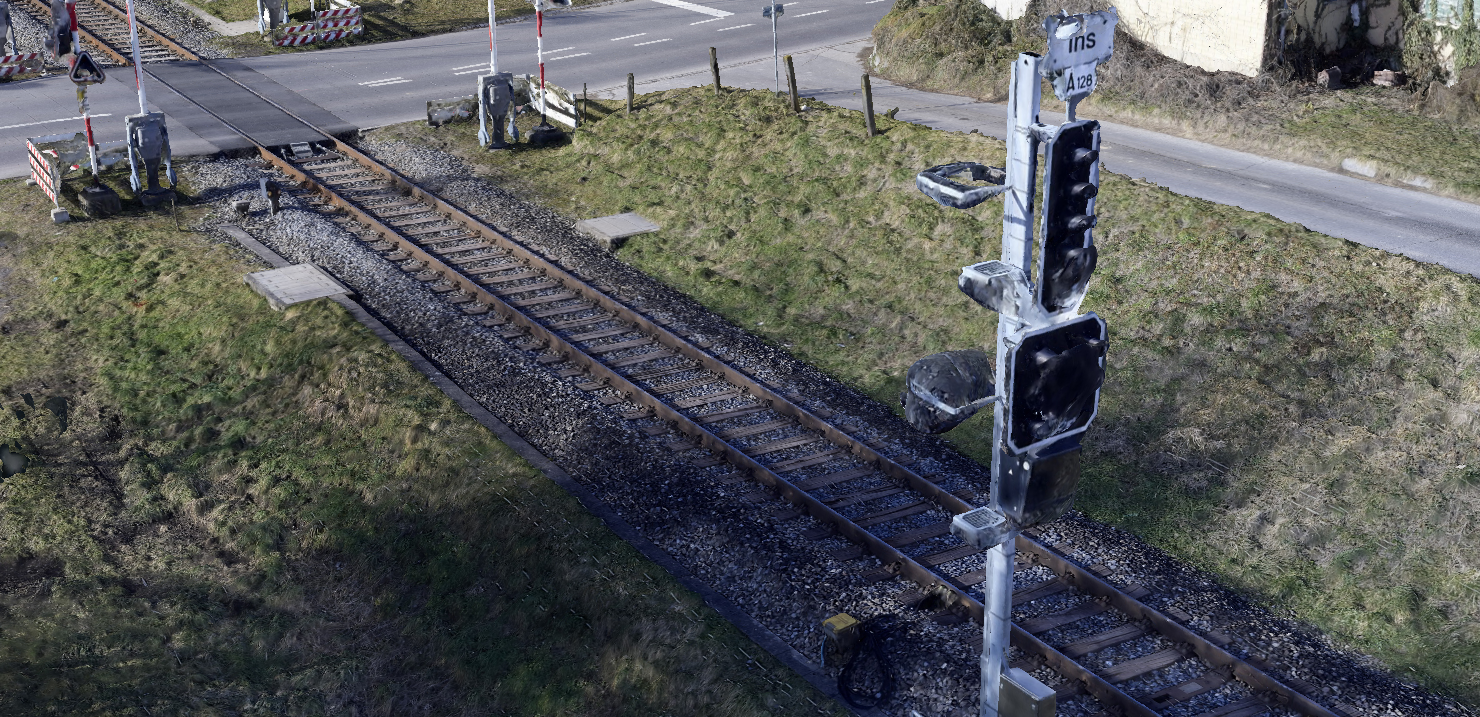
664 43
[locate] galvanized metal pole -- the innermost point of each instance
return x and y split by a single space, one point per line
133 38
1017 250
775 48
493 42
539 52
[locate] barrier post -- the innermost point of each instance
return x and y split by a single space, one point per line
714 68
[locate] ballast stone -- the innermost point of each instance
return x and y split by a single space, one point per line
294 284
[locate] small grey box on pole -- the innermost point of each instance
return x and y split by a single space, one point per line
631 90
714 68
868 106
791 84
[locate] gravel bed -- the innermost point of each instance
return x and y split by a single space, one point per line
784 579
172 20
166 16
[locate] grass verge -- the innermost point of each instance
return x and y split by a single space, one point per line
229 510
1293 412
963 48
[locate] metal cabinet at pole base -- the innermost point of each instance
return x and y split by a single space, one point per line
148 149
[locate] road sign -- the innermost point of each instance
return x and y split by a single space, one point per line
1077 44
777 9
86 71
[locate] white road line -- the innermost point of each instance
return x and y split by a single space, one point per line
651 42
388 82
814 12
563 49
736 27
628 37
696 8
64 119
567 57
464 67
712 19
469 72
388 79
870 2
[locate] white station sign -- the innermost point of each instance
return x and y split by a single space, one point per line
1077 44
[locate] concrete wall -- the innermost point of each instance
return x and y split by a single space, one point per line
1242 35
1211 34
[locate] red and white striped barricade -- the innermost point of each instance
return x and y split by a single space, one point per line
22 64
339 23
294 35
45 169
327 26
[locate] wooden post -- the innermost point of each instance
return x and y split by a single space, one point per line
714 68
631 89
581 119
868 107
791 81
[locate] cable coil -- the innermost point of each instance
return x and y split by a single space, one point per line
872 635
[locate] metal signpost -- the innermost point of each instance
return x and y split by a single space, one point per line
774 11
1049 360
545 133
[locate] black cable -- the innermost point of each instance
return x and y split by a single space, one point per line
872 634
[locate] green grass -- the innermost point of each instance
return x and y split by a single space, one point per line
384 20
964 48
250 512
1287 410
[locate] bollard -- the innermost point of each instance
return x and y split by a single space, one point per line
791 82
714 68
631 87
868 107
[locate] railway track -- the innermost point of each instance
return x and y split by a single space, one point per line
1102 639
103 27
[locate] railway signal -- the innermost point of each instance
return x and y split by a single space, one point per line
1050 361
1071 181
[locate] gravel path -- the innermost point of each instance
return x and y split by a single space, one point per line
786 580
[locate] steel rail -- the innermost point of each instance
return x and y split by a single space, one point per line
145 28
1270 689
45 20
906 566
